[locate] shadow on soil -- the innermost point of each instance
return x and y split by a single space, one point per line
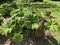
53 40
31 41
40 41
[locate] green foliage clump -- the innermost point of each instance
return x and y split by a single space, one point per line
22 21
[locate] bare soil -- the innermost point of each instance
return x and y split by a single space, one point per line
29 41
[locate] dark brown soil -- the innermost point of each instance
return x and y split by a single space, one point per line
29 41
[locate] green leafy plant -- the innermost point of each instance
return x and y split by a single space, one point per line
23 21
